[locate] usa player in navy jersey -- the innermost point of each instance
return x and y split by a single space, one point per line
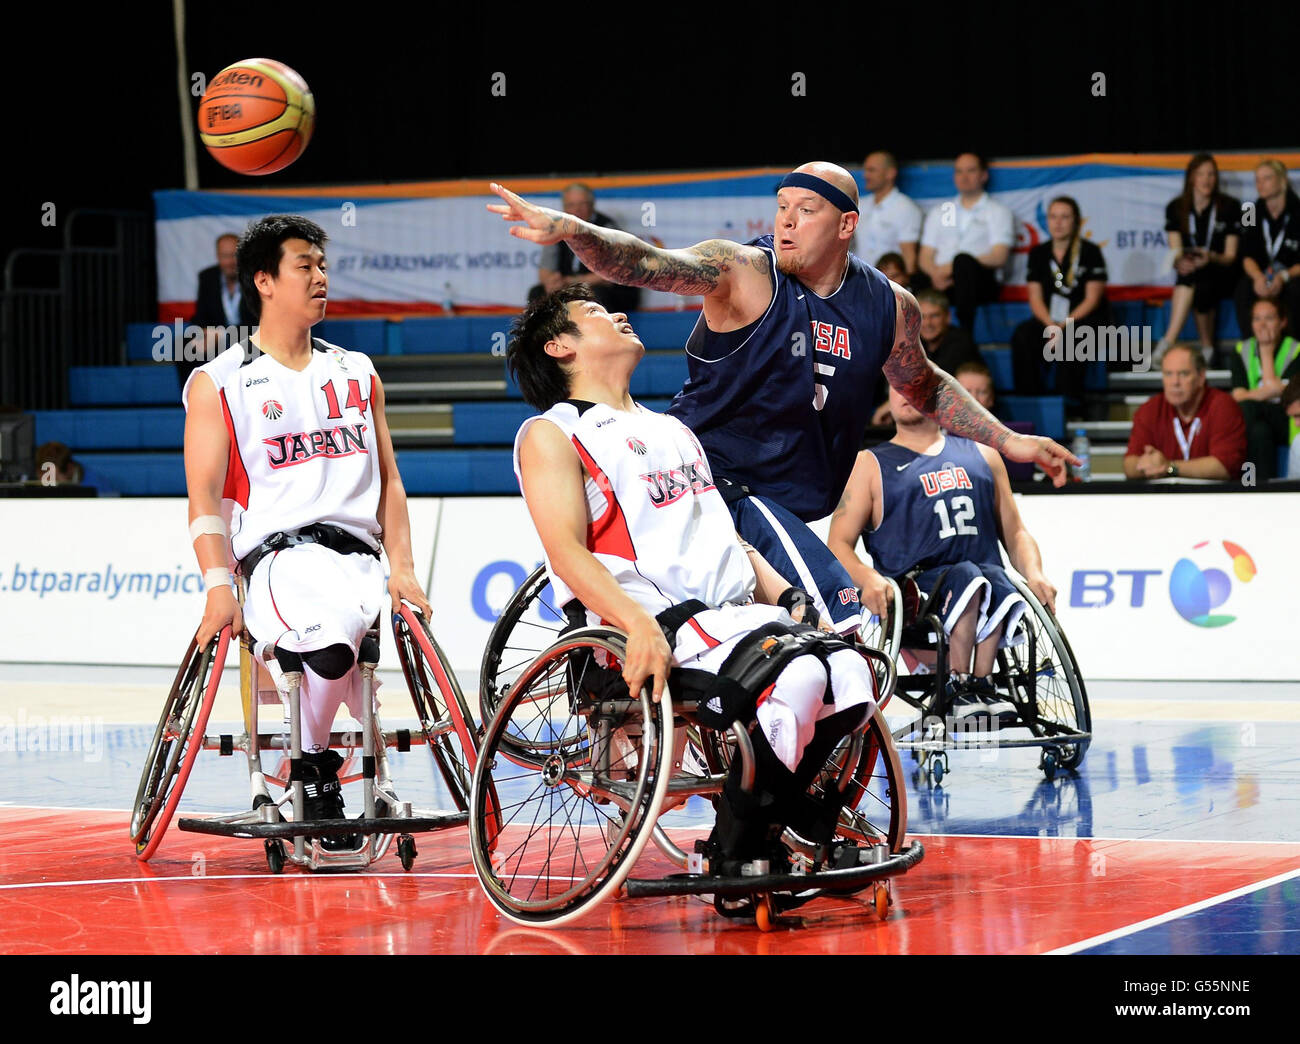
784 363
930 501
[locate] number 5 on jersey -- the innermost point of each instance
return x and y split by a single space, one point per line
354 399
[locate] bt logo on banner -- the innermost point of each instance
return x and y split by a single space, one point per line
495 583
1197 584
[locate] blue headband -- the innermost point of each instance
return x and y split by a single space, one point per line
823 188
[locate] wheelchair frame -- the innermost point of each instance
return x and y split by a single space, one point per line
1019 671
612 759
446 727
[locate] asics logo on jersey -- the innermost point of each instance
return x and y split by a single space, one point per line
952 477
669 486
833 339
284 451
256 380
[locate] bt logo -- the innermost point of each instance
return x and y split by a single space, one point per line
1197 584
504 577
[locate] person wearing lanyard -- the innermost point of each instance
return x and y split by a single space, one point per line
1270 247
1204 226
1066 282
1188 430
1261 369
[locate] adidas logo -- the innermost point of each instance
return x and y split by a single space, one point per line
714 704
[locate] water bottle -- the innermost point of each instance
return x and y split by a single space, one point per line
448 302
1082 449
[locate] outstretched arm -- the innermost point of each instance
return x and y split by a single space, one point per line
711 268
948 404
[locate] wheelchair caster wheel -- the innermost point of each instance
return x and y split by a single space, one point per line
764 913
275 856
938 768
406 851
1049 764
881 900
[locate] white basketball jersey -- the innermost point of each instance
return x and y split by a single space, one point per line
655 519
302 444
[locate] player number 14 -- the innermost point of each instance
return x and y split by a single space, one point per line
963 511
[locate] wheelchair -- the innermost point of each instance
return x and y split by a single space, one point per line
576 776
446 727
1036 672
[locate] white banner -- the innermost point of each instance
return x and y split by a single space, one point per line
1179 586
393 255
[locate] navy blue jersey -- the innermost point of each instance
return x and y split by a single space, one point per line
781 404
937 510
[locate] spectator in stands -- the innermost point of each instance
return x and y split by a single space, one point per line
219 305
1066 282
891 267
976 378
558 267
1262 366
1291 406
948 346
1270 246
967 240
1189 429
889 222
1204 226
55 467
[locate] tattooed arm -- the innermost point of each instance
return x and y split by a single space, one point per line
716 269
948 404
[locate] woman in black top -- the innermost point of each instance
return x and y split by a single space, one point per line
1066 284
1204 227
1270 246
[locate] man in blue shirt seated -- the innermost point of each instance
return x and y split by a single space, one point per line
949 502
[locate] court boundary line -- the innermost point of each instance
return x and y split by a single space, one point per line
1171 915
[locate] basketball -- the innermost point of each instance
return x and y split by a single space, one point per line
256 116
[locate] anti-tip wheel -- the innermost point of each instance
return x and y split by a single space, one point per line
406 851
764 913
880 899
1049 764
275 855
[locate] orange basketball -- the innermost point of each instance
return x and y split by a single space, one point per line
256 116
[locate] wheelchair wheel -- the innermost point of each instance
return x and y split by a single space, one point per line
581 768
444 715
869 773
529 625
1043 678
177 742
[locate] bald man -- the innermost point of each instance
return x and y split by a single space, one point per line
784 364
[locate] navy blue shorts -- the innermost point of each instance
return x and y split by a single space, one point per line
795 552
953 587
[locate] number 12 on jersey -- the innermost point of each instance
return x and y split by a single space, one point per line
354 398
963 512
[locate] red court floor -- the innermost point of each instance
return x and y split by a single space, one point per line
69 884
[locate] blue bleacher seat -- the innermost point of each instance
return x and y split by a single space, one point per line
419 336
157 385
1045 412
663 330
91 429
140 474
438 472
140 340
357 335
998 361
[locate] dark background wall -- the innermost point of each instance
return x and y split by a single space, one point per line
404 91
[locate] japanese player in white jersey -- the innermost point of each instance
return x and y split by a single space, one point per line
291 476
634 529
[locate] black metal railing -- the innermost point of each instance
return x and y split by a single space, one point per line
69 307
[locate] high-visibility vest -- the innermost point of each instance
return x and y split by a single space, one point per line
1286 352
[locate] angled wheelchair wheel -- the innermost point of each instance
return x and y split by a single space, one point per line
1043 679
529 625
177 742
444 715
867 770
580 768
